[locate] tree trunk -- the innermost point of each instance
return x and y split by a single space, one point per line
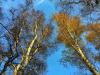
87 63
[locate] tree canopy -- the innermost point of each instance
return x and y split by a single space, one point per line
25 37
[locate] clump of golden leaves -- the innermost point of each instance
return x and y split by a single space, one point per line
47 31
68 25
94 34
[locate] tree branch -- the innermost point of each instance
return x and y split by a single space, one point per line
25 58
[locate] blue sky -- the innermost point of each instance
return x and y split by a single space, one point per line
54 66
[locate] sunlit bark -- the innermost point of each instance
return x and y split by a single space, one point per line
69 37
26 57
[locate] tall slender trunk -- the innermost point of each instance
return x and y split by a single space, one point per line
87 63
25 58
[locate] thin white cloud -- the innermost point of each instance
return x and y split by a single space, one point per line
40 1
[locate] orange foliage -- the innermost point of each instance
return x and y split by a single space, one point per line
94 34
61 18
91 36
65 23
95 27
47 31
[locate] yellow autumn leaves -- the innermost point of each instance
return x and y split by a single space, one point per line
69 32
94 34
69 27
